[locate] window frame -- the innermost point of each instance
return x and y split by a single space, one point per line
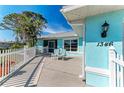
70 39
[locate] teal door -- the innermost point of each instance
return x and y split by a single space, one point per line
51 46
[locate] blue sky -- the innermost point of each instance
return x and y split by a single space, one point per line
56 21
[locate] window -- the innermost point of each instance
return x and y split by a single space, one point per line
71 45
67 45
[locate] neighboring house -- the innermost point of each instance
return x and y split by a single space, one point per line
91 18
70 41
5 45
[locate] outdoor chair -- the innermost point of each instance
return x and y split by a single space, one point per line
59 53
62 53
55 53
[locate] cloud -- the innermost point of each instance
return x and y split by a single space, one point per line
49 30
52 30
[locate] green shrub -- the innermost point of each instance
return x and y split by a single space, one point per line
17 46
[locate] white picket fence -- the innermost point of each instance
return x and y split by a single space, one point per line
116 66
11 60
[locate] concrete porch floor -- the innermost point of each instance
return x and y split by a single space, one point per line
61 73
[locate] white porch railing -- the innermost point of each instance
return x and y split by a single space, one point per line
116 66
11 60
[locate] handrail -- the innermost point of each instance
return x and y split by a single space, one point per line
11 60
116 67
119 62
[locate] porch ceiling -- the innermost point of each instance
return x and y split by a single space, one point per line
79 13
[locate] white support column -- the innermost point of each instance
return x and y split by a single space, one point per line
83 61
112 57
81 32
121 73
123 39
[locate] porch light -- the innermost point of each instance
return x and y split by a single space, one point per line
105 28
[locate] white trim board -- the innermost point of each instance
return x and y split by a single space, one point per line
99 71
69 8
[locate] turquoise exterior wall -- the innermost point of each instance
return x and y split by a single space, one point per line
60 43
39 43
97 56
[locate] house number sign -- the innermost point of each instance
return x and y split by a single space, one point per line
101 44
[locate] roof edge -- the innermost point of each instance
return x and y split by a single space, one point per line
69 8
